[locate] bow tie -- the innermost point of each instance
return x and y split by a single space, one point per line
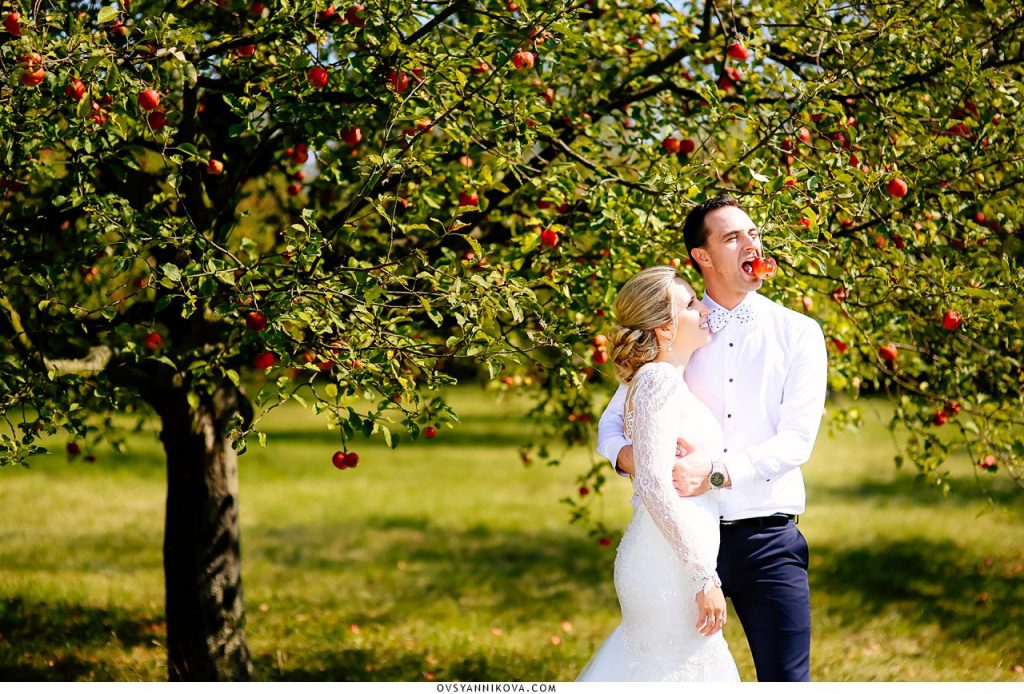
719 317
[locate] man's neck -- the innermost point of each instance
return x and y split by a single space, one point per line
727 300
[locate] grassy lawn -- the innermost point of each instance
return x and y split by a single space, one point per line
449 559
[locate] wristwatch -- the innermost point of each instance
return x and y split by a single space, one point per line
716 477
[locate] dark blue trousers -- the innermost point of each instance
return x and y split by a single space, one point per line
764 573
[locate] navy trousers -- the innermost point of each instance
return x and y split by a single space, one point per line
764 573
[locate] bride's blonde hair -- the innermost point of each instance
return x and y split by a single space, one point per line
643 304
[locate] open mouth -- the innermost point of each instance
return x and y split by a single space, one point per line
748 267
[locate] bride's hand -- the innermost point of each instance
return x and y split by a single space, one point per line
710 611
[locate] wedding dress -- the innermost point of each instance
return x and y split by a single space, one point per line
670 548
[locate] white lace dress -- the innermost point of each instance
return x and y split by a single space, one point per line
670 549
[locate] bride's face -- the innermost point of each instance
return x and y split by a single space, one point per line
689 331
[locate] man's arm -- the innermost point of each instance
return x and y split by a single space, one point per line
611 432
803 400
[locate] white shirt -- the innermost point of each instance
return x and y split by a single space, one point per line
765 382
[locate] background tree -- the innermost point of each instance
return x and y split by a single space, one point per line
350 200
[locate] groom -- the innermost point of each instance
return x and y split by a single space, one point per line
764 376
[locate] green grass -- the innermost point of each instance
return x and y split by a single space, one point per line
449 557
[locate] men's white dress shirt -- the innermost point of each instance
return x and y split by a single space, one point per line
764 378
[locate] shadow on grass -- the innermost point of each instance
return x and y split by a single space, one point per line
461 437
937 584
1005 493
44 641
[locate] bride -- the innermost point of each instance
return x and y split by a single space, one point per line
672 604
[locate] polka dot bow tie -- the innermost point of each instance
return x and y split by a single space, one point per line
719 317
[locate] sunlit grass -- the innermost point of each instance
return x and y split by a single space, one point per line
450 559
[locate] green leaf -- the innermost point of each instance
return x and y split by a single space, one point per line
106 14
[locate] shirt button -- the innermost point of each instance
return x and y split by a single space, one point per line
730 380
730 344
725 450
729 416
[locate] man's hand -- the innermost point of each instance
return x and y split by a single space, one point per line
690 474
624 463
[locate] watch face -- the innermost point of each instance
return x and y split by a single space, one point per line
717 480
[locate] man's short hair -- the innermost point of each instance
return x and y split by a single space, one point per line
695 233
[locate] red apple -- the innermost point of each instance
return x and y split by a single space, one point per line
952 320
12 22
599 357
687 146
897 187
549 238
839 294
888 352
988 462
468 199
351 136
671 145
157 120
854 161
264 360
599 340
257 8
399 81
939 419
73 448
952 408
255 321
149 99
215 167
317 76
153 341
338 460
584 491
604 542
523 60
75 89
33 78
738 51
351 459
512 7
429 432
763 268
246 51
353 16
805 134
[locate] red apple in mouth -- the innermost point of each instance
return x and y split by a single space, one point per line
761 268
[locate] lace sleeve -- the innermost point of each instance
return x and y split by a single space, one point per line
656 416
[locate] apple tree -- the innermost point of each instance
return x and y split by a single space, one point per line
212 208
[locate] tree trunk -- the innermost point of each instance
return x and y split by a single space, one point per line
202 558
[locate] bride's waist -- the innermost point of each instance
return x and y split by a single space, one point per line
705 503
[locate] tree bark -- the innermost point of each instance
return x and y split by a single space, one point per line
202 556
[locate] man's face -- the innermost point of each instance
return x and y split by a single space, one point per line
733 241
